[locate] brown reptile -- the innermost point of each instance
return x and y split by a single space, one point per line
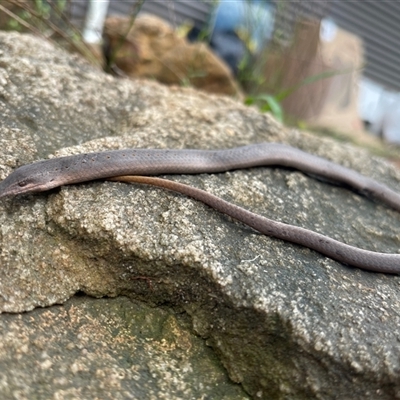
115 165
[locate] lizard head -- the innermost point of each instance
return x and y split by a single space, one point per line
27 179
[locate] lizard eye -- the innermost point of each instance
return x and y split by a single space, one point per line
22 183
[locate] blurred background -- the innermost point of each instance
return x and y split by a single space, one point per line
330 66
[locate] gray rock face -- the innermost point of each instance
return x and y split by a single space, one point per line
285 322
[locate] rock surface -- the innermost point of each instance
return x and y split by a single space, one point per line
285 322
108 349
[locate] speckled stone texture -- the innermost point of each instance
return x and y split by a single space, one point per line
219 311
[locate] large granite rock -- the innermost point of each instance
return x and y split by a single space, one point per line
284 322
